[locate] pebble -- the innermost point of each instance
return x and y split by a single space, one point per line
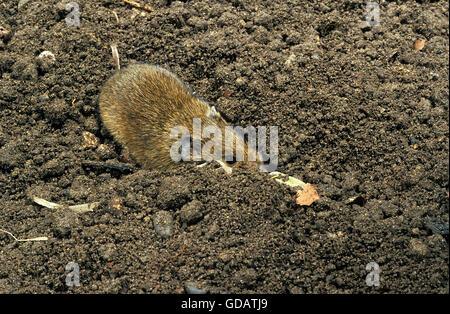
246 277
105 152
44 97
191 289
52 168
5 34
163 223
45 60
436 225
63 221
56 112
22 3
419 44
24 69
89 140
107 251
191 213
418 247
173 193
10 156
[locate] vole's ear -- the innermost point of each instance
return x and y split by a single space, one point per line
213 114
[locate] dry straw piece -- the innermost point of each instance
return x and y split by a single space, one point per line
138 5
25 240
82 208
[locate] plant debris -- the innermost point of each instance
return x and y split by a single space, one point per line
307 193
287 180
138 5
307 196
25 240
419 44
82 208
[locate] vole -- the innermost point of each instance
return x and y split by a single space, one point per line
142 103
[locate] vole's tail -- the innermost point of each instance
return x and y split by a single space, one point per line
115 54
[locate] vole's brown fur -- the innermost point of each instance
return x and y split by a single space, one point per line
141 103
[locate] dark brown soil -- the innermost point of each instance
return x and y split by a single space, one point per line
359 111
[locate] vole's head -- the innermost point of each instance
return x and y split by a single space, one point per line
236 150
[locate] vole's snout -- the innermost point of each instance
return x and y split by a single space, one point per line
244 153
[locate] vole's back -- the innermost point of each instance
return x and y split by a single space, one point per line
141 103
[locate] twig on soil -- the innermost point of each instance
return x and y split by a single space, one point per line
116 16
25 240
138 5
115 55
73 101
120 167
79 209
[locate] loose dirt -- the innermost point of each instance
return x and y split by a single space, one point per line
361 113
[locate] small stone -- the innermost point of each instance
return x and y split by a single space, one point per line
418 247
173 193
22 3
107 252
246 277
89 140
419 44
45 60
290 60
381 73
44 97
56 112
5 33
240 81
190 288
105 152
115 204
63 221
10 156
191 213
163 223
24 69
53 168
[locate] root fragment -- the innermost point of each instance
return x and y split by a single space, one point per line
24 240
